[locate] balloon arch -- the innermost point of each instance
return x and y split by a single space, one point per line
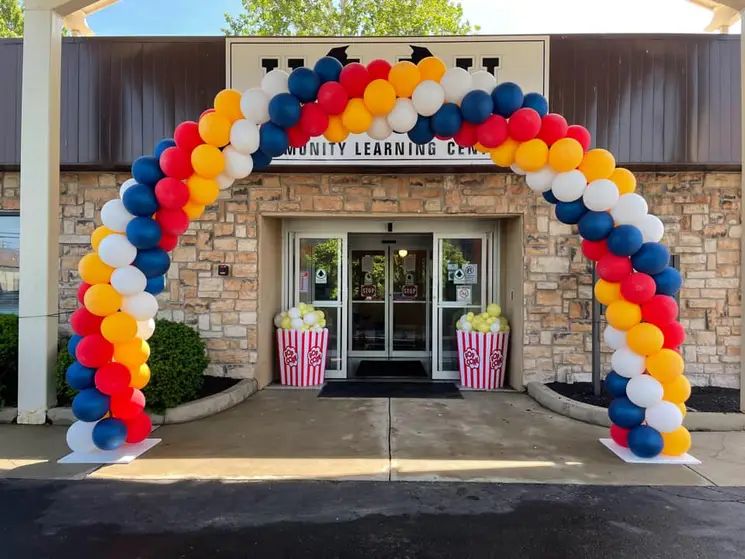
243 132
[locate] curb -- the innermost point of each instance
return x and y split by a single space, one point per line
8 415
595 415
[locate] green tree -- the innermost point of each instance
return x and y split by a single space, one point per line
349 17
11 18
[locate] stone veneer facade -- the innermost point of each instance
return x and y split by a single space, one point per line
701 212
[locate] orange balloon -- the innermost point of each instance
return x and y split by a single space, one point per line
597 164
606 292
202 191
228 104
665 365
98 235
404 77
624 179
92 269
565 155
140 376
379 97
532 155
193 210
623 315
645 338
207 161
132 353
431 68
677 390
504 155
336 131
214 128
102 300
676 443
119 327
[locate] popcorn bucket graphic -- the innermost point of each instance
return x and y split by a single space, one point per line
302 356
482 359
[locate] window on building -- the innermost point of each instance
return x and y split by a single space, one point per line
269 64
10 226
464 62
293 63
490 64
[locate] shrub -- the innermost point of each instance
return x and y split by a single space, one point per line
8 359
65 394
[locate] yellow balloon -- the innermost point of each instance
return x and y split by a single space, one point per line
624 179
99 235
623 315
565 155
214 128
404 77
207 161
645 338
119 327
356 118
228 104
379 97
193 210
677 390
482 148
132 353
665 365
532 155
504 155
597 164
336 131
140 376
431 68
676 443
102 299
606 292
92 270
202 191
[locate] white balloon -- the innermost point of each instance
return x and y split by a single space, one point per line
117 251
79 436
601 195
664 416
495 326
255 105
278 320
379 129
294 312
310 318
466 326
224 181
115 216
297 323
616 339
237 165
569 186
483 80
275 82
652 228
627 363
145 329
128 280
517 169
540 181
125 185
142 306
428 97
403 116
456 82
244 136
644 391
629 210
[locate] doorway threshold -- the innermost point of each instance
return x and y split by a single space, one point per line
387 389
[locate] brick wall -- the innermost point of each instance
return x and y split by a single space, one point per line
701 212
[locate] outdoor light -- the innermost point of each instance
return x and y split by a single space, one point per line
402 252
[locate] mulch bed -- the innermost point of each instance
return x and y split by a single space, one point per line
703 398
213 385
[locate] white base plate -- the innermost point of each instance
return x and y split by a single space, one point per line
122 455
627 456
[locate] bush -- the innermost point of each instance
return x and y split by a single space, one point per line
8 359
65 394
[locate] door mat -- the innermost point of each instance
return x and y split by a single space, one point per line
370 389
370 368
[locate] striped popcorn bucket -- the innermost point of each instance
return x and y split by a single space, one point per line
302 356
482 359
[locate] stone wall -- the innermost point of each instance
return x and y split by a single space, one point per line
701 212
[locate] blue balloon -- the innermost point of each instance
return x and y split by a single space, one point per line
507 98
645 442
595 226
537 102
422 131
152 262
447 120
615 384
139 199
303 83
625 240
477 106
273 139
624 413
144 232
261 160
651 258
328 69
284 110
550 198
155 285
72 345
570 212
79 377
109 433
668 281
146 170
162 146
90 405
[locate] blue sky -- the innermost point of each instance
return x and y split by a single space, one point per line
205 17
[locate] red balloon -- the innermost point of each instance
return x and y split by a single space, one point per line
332 98
524 124
127 404
171 193
581 134
94 351
172 221
553 128
354 78
638 287
378 69
613 268
112 378
594 250
187 136
619 435
85 323
660 310
443 138
313 119
176 162
82 288
168 242
297 136
674 334
467 136
138 428
492 132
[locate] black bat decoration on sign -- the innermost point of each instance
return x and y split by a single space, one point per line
340 53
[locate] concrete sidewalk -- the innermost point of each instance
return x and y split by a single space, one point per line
292 434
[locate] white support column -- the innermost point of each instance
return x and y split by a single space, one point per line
39 258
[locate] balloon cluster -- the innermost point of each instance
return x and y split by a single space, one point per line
489 321
303 317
